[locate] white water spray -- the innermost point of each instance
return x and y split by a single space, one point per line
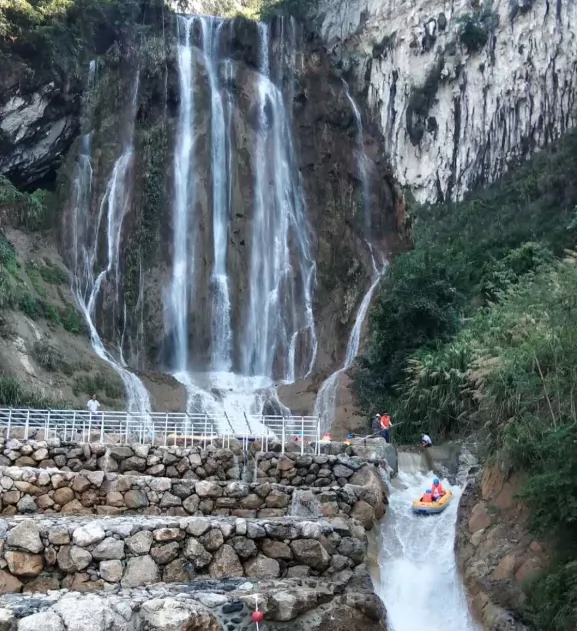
420 585
86 284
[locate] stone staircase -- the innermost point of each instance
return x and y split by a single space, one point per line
140 537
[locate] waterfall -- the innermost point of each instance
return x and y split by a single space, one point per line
86 283
280 281
326 401
275 340
220 325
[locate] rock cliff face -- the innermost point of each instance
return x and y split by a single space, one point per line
460 89
495 552
109 143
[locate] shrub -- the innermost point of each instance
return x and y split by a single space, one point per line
13 394
29 305
71 320
50 358
474 28
99 383
53 274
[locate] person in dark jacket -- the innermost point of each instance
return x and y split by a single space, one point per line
376 424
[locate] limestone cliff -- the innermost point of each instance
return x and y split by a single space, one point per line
460 89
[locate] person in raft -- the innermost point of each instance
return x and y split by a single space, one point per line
427 498
437 490
426 441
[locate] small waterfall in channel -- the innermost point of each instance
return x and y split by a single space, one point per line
326 400
87 282
275 340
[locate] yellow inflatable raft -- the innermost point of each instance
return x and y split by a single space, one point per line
432 508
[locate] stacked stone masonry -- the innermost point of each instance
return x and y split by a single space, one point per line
190 463
33 491
79 553
173 538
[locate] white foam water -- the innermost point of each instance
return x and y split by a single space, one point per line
419 582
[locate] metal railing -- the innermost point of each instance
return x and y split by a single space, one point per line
160 428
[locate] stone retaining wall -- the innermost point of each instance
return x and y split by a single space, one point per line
190 463
81 554
344 601
30 491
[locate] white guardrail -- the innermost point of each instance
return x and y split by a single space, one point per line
159 428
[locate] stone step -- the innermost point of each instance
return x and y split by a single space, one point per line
26 490
210 605
42 553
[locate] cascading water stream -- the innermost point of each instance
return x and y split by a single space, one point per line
362 162
221 336
326 400
276 339
419 582
86 285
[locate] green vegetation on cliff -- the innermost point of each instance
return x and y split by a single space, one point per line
475 330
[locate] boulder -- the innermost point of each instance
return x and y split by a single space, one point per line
311 553
178 571
26 536
364 512
245 548
212 540
166 553
111 571
109 549
262 567
63 495
9 584
140 570
170 614
208 489
226 564
195 552
87 535
135 499
24 564
276 550
140 542
73 559
44 621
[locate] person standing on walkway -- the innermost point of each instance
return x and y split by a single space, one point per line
386 427
93 406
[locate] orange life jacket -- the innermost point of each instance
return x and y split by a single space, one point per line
385 422
427 497
438 489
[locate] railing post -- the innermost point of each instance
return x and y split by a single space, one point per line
302 435
102 427
27 424
205 428
166 429
283 435
318 446
47 425
73 426
9 423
